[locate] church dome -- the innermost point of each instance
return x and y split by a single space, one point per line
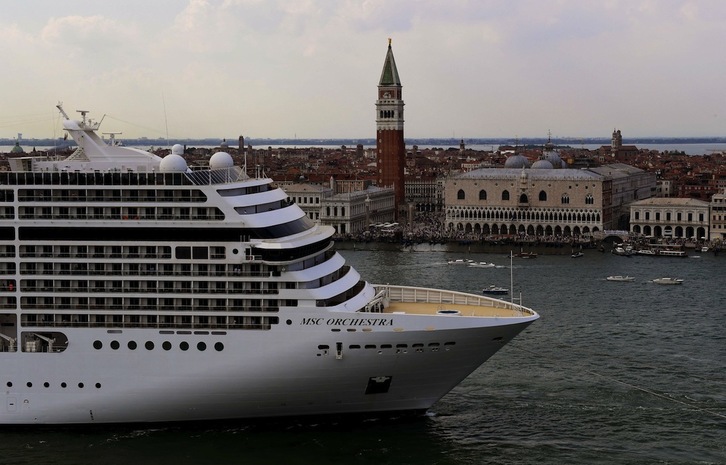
517 161
17 148
554 158
542 165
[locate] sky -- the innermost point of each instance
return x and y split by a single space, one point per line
310 68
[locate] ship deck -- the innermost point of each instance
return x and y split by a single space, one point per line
425 308
426 301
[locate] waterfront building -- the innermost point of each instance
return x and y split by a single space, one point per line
349 211
390 146
543 202
718 217
670 218
309 197
354 212
425 194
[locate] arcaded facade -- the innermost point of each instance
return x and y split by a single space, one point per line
670 218
543 202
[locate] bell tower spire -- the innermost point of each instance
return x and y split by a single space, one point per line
390 146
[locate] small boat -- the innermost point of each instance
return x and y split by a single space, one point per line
668 281
578 254
649 252
623 279
671 253
460 261
481 265
623 252
526 255
495 290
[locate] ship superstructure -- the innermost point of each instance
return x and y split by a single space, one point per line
136 289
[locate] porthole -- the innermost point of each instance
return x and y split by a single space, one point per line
46 384
115 345
235 251
184 345
63 385
9 384
166 345
219 347
289 322
202 346
132 345
29 384
98 385
149 345
98 345
80 385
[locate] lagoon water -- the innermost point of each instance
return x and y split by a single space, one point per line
612 373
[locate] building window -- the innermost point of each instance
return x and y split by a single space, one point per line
460 195
523 198
505 195
482 194
565 199
542 196
589 199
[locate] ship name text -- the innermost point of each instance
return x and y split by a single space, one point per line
346 322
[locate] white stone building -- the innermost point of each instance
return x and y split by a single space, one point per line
544 201
718 217
670 218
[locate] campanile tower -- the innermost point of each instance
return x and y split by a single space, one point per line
390 148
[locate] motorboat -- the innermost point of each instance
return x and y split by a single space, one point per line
668 281
495 290
619 278
482 265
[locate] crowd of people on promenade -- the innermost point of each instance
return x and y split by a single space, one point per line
431 228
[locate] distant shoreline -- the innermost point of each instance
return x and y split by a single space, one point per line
704 146
430 142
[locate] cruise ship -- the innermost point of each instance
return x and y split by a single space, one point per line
138 289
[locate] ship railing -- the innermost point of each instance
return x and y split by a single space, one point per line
439 296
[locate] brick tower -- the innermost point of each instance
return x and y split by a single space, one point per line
390 148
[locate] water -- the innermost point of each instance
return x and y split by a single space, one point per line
613 373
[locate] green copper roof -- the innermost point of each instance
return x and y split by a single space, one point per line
389 75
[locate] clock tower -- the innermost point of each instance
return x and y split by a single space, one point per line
390 148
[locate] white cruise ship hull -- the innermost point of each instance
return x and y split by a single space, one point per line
272 374
136 289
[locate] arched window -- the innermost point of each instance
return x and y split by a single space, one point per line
482 194
460 195
589 199
523 198
565 199
542 196
505 195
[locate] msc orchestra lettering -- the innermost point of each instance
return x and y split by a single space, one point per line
347 321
